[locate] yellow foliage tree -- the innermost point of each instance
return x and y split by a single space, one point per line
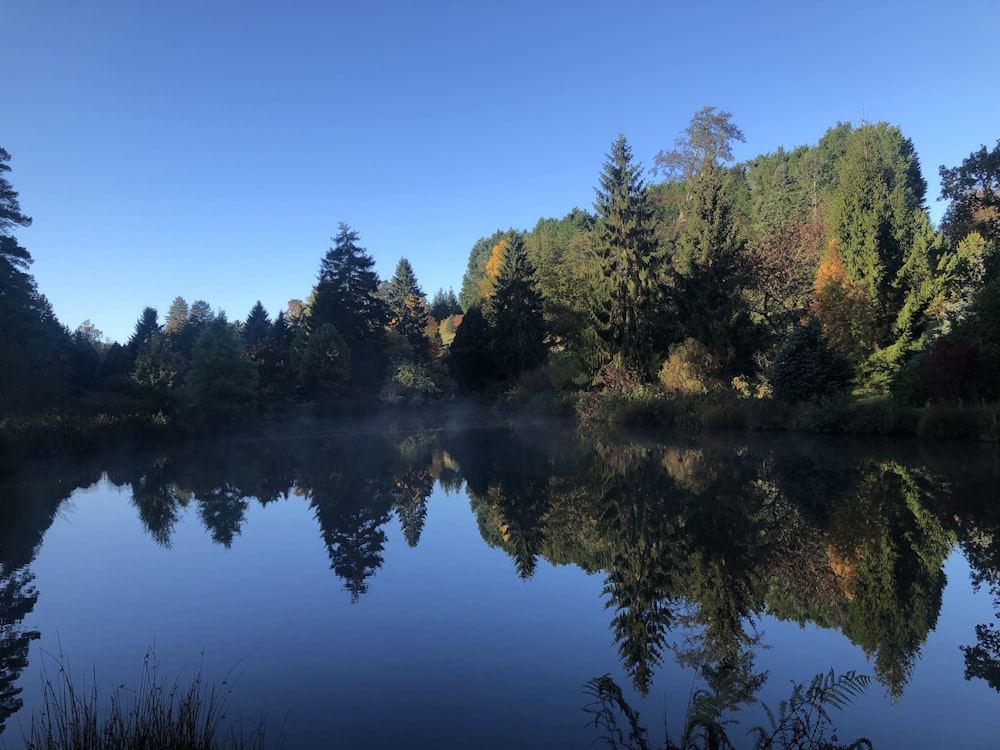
843 308
489 283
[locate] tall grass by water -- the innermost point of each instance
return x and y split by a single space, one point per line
156 714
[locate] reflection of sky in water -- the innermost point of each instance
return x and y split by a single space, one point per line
447 648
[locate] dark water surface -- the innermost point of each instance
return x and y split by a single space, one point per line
459 587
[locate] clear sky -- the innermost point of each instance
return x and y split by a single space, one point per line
209 148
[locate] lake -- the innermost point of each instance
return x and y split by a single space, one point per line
459 587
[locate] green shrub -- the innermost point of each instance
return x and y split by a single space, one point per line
808 368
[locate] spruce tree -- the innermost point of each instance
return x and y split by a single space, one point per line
408 313
518 340
257 325
346 297
629 287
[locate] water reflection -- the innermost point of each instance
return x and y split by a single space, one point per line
696 541
29 500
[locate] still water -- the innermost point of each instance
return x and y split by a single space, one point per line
458 588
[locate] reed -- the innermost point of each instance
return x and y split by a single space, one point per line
157 714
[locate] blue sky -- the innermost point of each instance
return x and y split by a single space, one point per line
209 149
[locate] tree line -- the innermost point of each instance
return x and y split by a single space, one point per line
799 275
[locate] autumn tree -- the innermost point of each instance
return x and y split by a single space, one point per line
843 308
628 291
471 293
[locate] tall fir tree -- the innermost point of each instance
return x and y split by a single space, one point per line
346 296
707 280
257 325
629 289
516 309
408 313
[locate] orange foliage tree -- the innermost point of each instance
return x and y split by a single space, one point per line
843 308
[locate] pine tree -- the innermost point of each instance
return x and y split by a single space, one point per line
629 287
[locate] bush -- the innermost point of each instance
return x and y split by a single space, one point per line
950 422
688 369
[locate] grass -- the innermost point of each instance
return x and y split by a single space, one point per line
155 715
645 404
61 434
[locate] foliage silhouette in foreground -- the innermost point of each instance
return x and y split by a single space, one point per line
802 722
156 715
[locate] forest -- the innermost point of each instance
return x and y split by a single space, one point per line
804 289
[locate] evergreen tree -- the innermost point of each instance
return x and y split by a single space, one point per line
408 313
146 327
471 354
444 304
886 242
257 325
177 318
808 367
325 370
873 214
346 297
629 286
34 346
273 356
518 340
708 285
222 382
10 208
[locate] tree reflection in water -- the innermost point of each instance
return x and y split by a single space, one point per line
696 541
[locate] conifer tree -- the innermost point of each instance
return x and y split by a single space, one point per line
257 325
708 283
346 297
628 293
516 309
408 313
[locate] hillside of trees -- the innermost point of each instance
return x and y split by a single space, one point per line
809 279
